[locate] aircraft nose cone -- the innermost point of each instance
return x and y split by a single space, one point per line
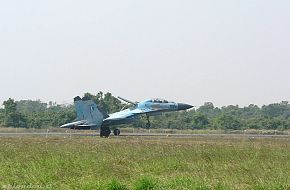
182 106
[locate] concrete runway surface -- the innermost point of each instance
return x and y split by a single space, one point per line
2 134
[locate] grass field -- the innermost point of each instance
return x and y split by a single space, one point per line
144 163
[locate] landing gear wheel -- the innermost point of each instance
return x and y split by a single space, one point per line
105 132
116 132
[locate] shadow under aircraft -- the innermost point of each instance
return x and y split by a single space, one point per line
91 116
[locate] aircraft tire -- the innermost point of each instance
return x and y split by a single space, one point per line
116 132
105 132
147 126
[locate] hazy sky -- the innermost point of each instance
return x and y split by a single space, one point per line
227 51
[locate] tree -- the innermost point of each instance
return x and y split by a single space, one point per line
200 121
37 114
30 106
251 111
227 121
209 110
2 117
107 102
10 106
12 117
232 110
276 109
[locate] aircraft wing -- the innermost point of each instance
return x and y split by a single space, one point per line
130 113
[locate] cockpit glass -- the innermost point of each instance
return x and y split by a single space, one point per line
157 100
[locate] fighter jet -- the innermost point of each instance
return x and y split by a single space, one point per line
91 116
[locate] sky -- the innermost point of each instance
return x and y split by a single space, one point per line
225 52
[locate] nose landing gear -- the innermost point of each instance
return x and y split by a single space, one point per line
148 124
116 132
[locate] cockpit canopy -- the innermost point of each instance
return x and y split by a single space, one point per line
158 100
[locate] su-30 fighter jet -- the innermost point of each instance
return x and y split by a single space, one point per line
90 116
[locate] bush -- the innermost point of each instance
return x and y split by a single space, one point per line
115 185
145 183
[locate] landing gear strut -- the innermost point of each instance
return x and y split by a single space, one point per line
105 132
116 132
148 124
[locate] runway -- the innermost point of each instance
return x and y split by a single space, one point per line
69 134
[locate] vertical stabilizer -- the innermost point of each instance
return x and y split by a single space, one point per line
79 106
91 112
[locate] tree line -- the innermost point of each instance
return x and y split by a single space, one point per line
37 114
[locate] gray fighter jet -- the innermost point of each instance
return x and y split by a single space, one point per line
90 116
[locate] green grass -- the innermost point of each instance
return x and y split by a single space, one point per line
145 163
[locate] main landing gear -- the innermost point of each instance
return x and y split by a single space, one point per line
105 132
